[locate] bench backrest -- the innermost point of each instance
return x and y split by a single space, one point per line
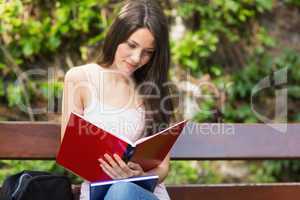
41 140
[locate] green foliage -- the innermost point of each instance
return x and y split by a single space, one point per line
182 172
45 32
51 90
30 30
14 95
242 83
207 109
293 2
218 19
272 171
209 174
1 88
9 167
229 19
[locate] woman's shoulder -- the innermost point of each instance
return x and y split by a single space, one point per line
78 73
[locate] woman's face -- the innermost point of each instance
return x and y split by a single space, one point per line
134 52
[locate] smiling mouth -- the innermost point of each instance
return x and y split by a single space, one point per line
130 65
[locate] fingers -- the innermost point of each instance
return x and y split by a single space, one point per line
115 167
111 171
108 171
115 170
131 169
110 161
136 168
123 165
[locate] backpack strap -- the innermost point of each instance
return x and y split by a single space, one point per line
19 184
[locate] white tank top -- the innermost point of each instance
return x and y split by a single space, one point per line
124 122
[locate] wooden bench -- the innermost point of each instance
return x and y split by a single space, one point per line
40 141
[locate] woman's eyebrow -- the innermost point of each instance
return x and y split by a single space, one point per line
137 44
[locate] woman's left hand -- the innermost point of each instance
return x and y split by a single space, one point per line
116 168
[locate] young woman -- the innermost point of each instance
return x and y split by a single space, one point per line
126 92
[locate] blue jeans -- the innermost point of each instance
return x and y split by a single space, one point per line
128 190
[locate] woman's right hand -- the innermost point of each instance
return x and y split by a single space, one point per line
116 168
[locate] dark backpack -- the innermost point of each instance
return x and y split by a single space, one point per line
35 185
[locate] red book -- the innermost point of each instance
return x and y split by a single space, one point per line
84 143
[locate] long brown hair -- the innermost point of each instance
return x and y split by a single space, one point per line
145 14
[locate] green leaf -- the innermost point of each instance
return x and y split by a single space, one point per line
2 66
2 89
27 49
264 5
14 95
294 91
53 42
216 70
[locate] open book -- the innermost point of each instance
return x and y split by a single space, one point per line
98 190
84 143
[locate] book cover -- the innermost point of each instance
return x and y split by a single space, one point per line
84 143
98 190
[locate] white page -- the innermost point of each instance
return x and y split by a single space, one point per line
125 180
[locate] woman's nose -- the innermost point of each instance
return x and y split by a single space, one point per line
136 57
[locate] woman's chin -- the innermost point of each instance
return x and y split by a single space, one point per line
127 71
124 72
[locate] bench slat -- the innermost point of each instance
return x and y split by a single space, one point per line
27 140
277 191
41 140
237 141
271 191
236 192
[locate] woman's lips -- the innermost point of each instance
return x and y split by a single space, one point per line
130 65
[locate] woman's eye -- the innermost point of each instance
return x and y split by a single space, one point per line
149 53
130 45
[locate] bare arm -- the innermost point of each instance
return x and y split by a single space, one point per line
162 170
71 101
